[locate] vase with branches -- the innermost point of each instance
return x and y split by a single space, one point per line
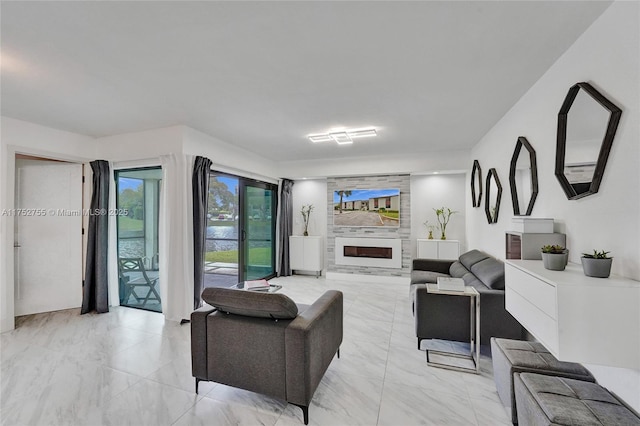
443 215
306 213
430 228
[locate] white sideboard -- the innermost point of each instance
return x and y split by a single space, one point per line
577 318
438 249
306 254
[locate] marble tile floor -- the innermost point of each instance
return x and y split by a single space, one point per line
130 367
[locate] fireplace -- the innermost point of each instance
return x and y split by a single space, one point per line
372 252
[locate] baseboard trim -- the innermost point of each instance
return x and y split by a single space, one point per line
378 279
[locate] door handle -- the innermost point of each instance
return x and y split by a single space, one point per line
244 235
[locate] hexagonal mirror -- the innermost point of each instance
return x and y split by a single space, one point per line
523 178
587 124
493 197
476 176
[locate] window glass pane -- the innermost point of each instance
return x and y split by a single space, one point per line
138 194
259 226
221 243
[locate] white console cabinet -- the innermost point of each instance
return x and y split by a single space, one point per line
577 318
306 254
438 249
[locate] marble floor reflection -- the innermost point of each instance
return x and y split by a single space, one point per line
130 367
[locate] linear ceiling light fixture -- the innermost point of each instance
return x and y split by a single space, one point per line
342 137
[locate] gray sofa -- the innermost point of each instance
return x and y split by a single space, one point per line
265 343
446 317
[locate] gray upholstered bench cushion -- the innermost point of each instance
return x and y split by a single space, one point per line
516 356
547 400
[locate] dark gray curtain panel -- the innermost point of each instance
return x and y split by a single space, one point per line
285 227
95 294
200 188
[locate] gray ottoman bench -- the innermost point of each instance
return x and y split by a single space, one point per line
547 400
516 356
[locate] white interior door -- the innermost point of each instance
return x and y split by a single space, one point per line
48 236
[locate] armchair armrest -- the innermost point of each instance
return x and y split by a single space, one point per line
433 265
311 341
199 341
440 316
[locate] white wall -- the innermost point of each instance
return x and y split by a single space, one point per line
435 191
311 191
380 165
27 138
229 158
607 56
145 145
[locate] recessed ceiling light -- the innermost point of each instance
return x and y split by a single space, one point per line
362 133
342 137
320 138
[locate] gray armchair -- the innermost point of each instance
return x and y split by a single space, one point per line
265 343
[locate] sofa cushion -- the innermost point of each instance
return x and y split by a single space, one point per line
457 270
419 277
251 303
491 272
472 257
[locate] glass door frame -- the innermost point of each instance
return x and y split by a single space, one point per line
153 265
243 218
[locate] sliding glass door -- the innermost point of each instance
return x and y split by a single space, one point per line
259 236
240 231
138 196
222 248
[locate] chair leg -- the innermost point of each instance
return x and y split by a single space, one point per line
146 299
151 290
338 353
127 294
155 292
305 412
197 383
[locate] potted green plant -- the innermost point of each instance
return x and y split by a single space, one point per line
597 264
554 257
443 215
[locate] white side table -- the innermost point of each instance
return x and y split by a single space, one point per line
474 353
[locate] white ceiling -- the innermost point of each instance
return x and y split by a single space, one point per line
431 76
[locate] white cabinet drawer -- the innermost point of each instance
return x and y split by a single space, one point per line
578 318
543 327
427 249
449 250
438 249
538 292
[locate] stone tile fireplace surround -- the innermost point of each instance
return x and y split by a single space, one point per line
400 236
371 252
